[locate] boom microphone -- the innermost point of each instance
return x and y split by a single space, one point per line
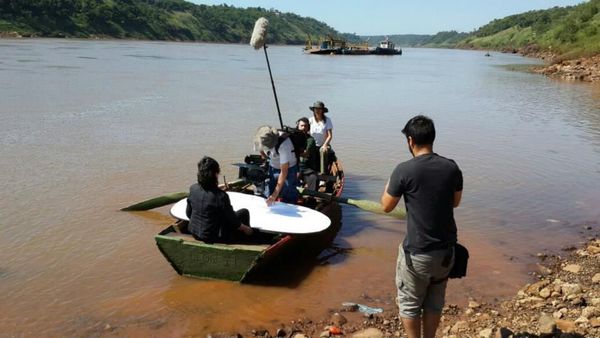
259 35
258 40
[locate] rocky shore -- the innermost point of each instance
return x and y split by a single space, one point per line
562 301
586 69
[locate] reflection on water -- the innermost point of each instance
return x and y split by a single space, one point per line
87 127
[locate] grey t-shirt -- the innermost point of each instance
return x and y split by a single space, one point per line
428 183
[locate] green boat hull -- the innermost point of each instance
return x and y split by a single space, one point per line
215 261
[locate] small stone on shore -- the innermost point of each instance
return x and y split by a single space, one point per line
574 268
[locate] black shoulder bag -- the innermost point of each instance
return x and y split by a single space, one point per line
461 258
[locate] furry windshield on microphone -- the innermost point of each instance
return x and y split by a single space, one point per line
259 35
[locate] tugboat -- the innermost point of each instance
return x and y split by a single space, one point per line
386 47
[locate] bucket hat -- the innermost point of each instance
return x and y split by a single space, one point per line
319 104
266 138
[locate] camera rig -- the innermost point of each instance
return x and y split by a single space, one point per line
254 170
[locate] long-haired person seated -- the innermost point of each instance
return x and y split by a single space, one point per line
212 218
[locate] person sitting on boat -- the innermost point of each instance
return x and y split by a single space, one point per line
309 160
209 209
321 128
283 168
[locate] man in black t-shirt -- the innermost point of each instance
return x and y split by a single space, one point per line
432 187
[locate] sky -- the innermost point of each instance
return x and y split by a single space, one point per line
387 17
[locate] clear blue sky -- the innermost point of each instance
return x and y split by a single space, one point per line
380 17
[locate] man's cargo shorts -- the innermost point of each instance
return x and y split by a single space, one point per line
421 280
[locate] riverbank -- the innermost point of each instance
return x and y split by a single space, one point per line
583 68
586 69
563 300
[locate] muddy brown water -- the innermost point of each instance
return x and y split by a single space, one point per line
87 127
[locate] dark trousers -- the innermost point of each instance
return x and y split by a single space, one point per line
310 178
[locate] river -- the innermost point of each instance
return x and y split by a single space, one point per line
87 127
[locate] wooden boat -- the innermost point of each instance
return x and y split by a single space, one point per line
386 47
246 262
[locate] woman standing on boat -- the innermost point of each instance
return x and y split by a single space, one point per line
211 215
321 129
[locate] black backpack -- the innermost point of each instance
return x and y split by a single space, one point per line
298 139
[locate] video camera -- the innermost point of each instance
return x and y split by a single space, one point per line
254 170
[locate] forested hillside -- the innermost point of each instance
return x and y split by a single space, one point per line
152 19
571 31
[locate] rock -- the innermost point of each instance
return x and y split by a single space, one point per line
560 313
595 322
324 334
368 333
596 278
593 250
460 326
299 335
546 324
280 333
469 312
542 270
534 289
589 312
579 301
545 293
337 319
530 300
261 333
486 333
573 268
566 325
107 327
569 289
473 304
595 301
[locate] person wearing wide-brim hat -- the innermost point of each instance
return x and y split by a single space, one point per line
283 166
321 129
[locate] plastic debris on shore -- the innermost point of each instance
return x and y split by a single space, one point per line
364 308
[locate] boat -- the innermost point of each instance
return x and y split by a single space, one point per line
386 47
331 46
247 262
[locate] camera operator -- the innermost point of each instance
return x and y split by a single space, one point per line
283 168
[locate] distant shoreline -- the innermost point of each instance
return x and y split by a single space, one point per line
580 69
17 36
